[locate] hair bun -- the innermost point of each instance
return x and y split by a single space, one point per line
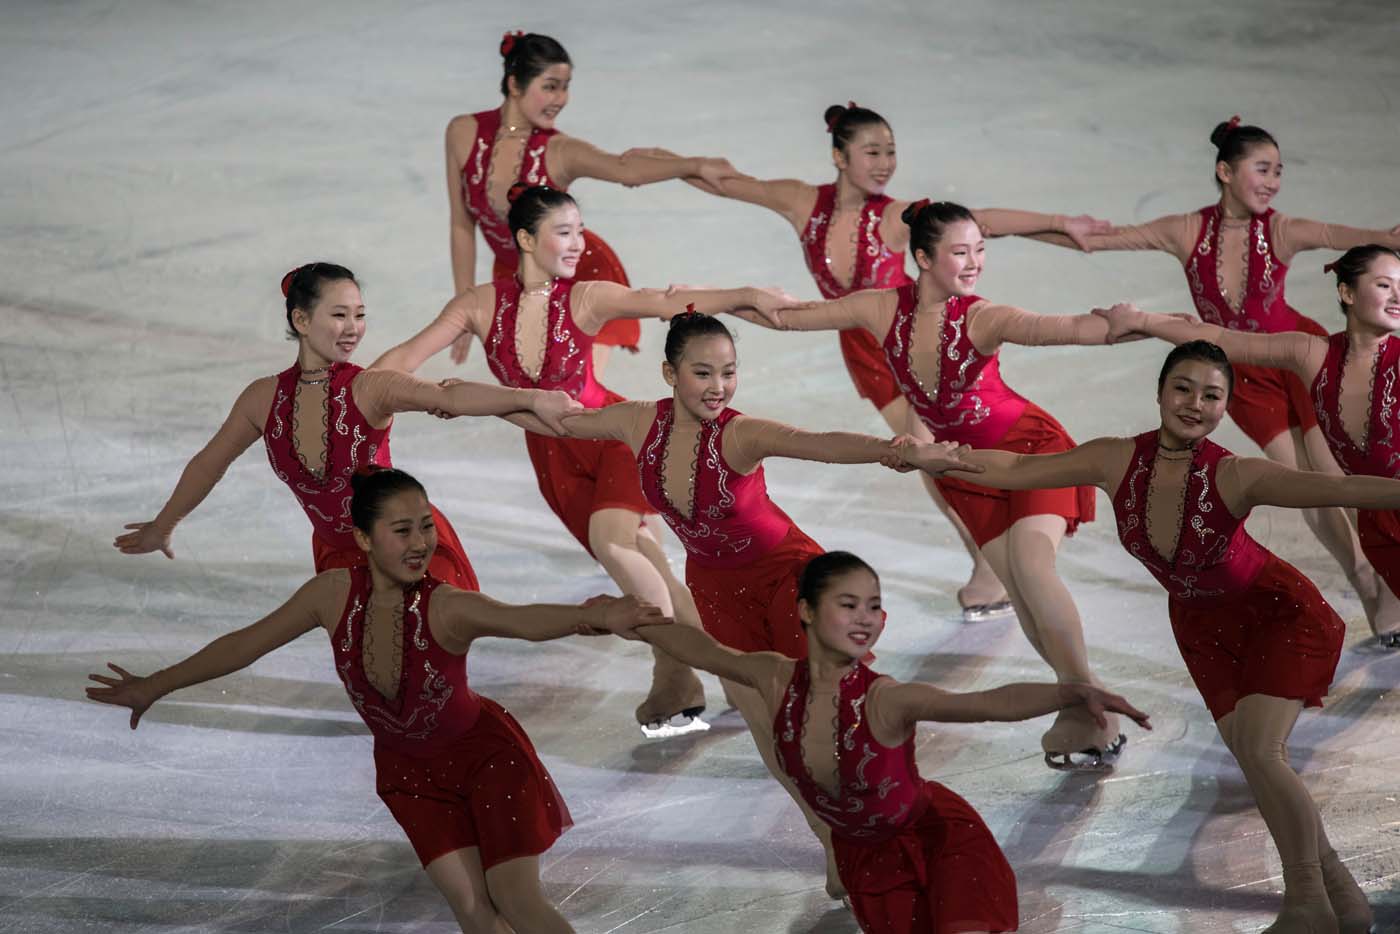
1222 131
509 40
516 190
287 280
833 113
913 210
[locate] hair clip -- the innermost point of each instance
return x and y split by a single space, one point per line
1234 123
509 39
287 279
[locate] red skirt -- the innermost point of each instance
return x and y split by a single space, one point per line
1379 531
1267 402
489 791
448 564
598 264
865 361
578 477
988 513
944 873
1279 637
754 608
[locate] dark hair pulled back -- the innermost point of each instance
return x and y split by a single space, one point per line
843 123
1352 265
528 206
302 288
928 219
526 56
1233 142
1203 351
818 573
687 326
374 485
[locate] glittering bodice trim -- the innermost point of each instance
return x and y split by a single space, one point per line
878 784
732 518
351 443
477 170
876 266
568 356
1378 453
1214 555
1262 307
433 707
971 403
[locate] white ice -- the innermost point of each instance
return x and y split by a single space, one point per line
161 166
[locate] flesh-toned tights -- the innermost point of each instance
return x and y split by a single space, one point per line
505 898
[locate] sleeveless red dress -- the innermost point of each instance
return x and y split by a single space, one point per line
1378 456
877 267
454 768
743 553
973 405
1266 402
1246 621
914 856
351 443
577 477
598 263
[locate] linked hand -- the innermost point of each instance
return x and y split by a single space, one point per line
1080 228
126 690
553 406
622 615
1124 323
144 538
447 384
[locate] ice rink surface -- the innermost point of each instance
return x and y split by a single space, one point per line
163 164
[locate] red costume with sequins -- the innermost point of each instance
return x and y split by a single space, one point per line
598 262
914 856
1246 621
351 443
1265 402
576 477
743 553
877 267
454 768
973 405
1379 453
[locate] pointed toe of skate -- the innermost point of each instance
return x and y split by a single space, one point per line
1092 759
981 612
673 707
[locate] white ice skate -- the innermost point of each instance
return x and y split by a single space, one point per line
687 721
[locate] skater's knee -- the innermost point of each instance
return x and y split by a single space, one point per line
1258 752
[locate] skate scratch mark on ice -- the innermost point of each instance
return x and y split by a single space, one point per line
582 885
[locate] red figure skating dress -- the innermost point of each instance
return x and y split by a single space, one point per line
877 267
1379 453
972 405
454 768
743 553
1246 621
576 477
915 857
598 263
351 443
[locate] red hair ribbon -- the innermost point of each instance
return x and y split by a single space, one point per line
831 124
287 279
690 308
516 191
919 206
1330 267
509 39
1234 123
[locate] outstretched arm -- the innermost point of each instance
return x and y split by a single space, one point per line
240 429
596 303
383 393
753 439
1302 354
998 222
698 649
456 318
575 158
467 615
1292 235
914 701
871 309
225 655
1087 464
622 421
1174 234
1254 481
990 326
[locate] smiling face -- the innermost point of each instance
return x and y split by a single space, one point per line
706 376
557 243
847 618
868 161
402 538
1192 401
1253 181
956 264
1374 302
544 97
334 327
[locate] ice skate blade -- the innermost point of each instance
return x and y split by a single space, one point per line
981 612
678 725
1389 640
1088 760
